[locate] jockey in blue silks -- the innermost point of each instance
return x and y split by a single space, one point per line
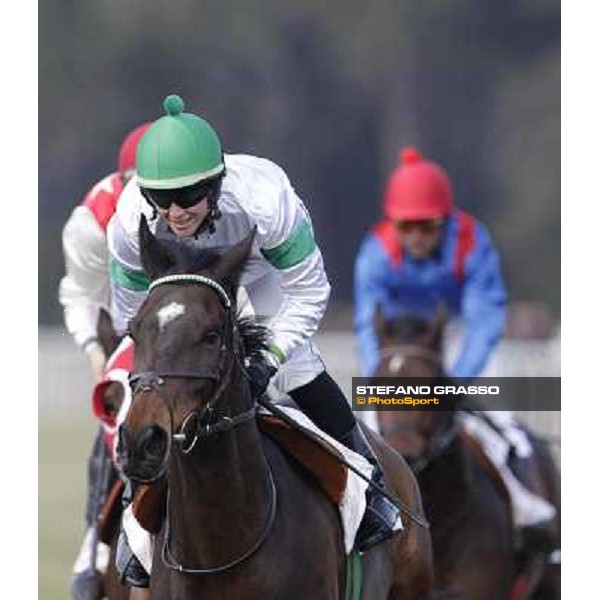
424 253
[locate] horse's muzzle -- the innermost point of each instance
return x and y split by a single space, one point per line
143 456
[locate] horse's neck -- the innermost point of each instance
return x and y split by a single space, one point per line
219 495
445 487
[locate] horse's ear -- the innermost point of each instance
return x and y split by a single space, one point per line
380 324
107 336
156 258
229 266
435 330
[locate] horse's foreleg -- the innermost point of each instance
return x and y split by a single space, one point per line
414 567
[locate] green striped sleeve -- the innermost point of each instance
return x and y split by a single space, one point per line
277 351
136 281
293 250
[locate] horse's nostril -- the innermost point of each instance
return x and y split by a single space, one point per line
152 443
143 455
412 460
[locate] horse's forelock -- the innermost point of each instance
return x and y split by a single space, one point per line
407 329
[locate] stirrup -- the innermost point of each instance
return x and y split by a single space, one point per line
378 522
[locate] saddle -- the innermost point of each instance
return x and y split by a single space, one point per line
312 452
306 448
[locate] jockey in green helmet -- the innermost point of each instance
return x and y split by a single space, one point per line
190 192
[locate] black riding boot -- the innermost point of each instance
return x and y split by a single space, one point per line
86 582
324 403
381 514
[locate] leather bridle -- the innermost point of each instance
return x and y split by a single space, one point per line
207 421
441 439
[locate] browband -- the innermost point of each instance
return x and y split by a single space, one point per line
191 278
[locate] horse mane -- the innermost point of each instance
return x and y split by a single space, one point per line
254 337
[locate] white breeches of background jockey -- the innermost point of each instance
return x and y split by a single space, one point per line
527 508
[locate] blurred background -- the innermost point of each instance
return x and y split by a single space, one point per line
331 91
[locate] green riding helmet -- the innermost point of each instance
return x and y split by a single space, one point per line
178 150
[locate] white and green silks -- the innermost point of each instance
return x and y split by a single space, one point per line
284 279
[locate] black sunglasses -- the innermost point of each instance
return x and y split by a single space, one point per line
184 197
423 225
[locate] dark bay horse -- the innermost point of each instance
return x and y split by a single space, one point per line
471 524
242 521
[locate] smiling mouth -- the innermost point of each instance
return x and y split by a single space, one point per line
182 223
182 226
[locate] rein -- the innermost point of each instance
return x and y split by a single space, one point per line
170 561
440 441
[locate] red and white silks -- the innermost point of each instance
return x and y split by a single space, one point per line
118 368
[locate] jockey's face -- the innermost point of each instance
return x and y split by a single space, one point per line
184 209
184 222
420 238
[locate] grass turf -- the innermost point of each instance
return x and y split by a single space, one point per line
62 461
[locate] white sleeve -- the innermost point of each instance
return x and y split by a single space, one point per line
286 239
128 281
85 287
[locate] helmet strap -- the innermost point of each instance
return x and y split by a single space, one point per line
214 212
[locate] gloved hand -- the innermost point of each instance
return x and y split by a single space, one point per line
260 373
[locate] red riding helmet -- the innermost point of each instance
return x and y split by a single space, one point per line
129 148
418 189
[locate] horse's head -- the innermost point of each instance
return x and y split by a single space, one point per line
188 352
411 347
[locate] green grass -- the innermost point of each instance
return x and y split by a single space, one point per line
62 461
